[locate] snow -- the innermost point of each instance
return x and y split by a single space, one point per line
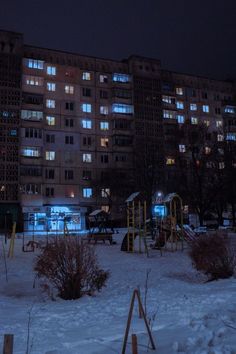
186 314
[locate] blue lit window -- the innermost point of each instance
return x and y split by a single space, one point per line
13 132
86 76
229 109
86 123
87 192
51 86
34 64
168 114
30 152
31 115
104 125
50 103
87 158
86 107
51 70
180 118
193 107
121 77
122 108
231 136
205 108
180 105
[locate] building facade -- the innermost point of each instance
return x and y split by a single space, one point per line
80 133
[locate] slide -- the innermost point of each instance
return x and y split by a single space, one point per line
188 234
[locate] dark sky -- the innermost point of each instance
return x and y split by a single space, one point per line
191 36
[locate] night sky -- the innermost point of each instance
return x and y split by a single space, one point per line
197 37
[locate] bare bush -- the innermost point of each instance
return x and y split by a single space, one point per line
71 267
212 256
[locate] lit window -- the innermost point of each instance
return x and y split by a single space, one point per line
207 150
182 148
104 110
50 103
180 118
87 158
87 192
51 86
34 64
105 208
69 193
50 155
207 122
105 192
51 70
205 108
104 142
33 80
180 105
122 108
179 91
170 161
219 123
30 151
194 120
50 120
121 77
86 123
229 109
168 114
104 125
103 78
168 99
221 165
86 76
86 107
231 136
30 188
193 107
69 89
31 115
220 137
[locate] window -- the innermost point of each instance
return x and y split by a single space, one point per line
69 193
31 115
104 159
30 152
69 122
194 120
50 120
170 161
87 192
86 76
207 122
180 105
50 138
104 110
51 86
168 99
86 107
50 155
69 139
30 188
49 192
182 148
69 157
231 136
124 78
193 107
229 109
86 92
33 80
204 95
87 140
104 142
51 70
179 91
168 114
122 108
104 125
50 103
217 110
69 106
87 175
49 174
103 94
34 64
103 79
105 192
180 118
69 174
86 123
221 165
219 123
69 89
207 150
87 158
220 137
33 133
205 108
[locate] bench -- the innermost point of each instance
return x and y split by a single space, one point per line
100 237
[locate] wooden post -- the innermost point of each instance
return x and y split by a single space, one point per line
8 344
128 323
134 344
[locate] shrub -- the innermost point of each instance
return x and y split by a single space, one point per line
71 267
212 256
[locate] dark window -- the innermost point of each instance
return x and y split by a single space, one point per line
69 106
87 175
87 140
69 122
69 174
103 94
69 139
104 158
49 174
86 92
49 192
50 138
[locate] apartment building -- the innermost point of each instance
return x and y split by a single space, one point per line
80 133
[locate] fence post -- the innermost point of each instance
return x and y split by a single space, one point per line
134 344
8 344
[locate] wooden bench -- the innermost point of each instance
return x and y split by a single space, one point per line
100 237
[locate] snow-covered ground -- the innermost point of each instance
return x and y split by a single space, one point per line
186 314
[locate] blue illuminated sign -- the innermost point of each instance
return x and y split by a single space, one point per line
160 210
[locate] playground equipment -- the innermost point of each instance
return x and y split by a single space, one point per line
97 223
12 241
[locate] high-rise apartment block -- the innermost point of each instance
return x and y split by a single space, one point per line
75 131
